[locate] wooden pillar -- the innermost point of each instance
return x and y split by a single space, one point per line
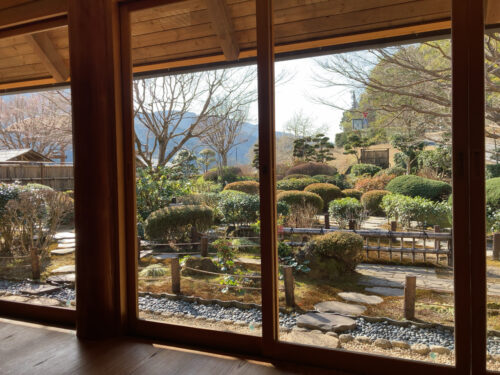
410 294
289 286
35 264
98 168
496 246
394 226
175 272
204 246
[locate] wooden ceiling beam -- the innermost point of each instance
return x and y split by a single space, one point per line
32 11
220 16
49 56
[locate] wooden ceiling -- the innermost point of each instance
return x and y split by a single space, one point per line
193 32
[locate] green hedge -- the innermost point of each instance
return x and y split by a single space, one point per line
493 193
395 171
327 192
301 198
295 183
371 201
229 174
416 186
297 175
362 169
352 193
249 187
312 169
492 170
337 180
172 221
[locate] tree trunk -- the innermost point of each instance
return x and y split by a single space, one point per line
224 160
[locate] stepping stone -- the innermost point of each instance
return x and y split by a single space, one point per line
388 292
326 322
309 338
341 308
68 278
36 289
20 299
65 269
63 251
67 240
43 301
361 298
65 245
376 281
63 235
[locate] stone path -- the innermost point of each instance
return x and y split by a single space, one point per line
340 308
361 298
395 276
326 322
66 243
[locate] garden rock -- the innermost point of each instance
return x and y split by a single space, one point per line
62 251
64 235
44 301
15 299
204 264
65 269
363 340
66 279
361 298
326 322
37 289
420 349
439 349
383 343
308 338
341 308
346 338
388 292
400 344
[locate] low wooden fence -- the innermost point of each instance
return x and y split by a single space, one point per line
397 242
57 176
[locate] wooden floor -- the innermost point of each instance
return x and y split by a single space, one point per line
27 348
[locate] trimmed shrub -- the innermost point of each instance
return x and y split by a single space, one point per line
334 254
153 270
492 170
238 207
352 193
291 176
169 222
295 183
371 201
396 171
249 187
229 174
209 199
493 193
301 198
312 169
327 192
424 211
415 186
373 183
362 169
33 186
337 180
345 209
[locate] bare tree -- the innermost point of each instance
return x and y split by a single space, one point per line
301 125
174 109
33 121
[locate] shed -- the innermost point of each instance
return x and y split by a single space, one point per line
23 154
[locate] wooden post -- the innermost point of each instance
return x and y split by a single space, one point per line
450 253
289 286
496 246
327 221
352 224
410 294
394 226
204 246
35 264
195 237
175 270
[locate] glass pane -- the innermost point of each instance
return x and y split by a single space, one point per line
492 99
37 245
364 185
197 185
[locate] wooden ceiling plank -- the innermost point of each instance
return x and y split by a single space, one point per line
492 8
220 16
49 56
32 11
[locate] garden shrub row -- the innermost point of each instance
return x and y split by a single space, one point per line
352 193
371 201
396 171
295 183
416 186
327 192
362 169
301 198
249 187
229 174
373 183
312 169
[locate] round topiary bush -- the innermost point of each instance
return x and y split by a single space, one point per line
327 192
172 221
312 169
334 254
238 207
229 174
492 170
297 175
337 180
352 193
371 201
249 187
301 198
362 169
396 171
295 183
345 209
416 186
493 193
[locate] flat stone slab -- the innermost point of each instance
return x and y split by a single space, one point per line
310 338
361 298
43 301
326 322
63 235
20 299
65 269
341 308
68 278
67 240
388 292
376 281
36 289
65 245
62 251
